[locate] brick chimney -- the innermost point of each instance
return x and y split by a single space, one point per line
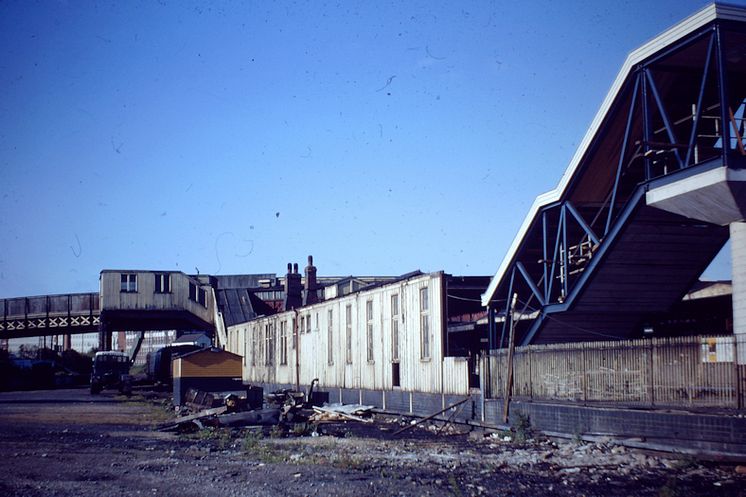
311 295
293 288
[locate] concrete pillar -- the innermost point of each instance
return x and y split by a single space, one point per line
104 338
122 341
738 257
67 341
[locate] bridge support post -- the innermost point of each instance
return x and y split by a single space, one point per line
67 341
104 338
738 257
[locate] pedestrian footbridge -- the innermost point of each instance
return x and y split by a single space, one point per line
647 201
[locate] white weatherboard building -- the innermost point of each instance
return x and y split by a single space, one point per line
391 337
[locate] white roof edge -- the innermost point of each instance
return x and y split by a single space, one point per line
692 23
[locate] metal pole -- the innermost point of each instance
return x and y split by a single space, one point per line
511 352
297 351
724 107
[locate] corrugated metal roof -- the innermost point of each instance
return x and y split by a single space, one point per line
239 305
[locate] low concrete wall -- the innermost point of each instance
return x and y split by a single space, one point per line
675 430
717 433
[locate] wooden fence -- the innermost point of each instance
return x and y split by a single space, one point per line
687 372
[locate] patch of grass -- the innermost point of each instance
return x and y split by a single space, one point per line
455 487
671 488
277 431
251 440
347 462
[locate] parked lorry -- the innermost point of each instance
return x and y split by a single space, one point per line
111 370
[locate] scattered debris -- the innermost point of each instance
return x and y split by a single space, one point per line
342 412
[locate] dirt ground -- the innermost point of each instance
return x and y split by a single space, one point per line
67 442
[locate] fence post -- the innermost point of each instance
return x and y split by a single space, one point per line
530 375
651 372
585 374
737 373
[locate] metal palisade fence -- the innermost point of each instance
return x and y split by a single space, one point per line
685 372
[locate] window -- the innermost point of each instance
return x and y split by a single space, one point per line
129 283
308 323
253 346
330 339
294 325
348 334
395 328
269 341
424 324
197 294
369 329
162 283
283 342
302 327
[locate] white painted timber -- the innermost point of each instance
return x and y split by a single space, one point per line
738 256
335 371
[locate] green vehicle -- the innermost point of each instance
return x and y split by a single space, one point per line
111 370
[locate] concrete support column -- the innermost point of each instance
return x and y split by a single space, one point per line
738 256
104 339
67 341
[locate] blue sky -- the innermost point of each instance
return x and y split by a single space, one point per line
234 137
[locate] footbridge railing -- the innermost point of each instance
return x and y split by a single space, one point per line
49 315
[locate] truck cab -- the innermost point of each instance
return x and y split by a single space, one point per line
111 370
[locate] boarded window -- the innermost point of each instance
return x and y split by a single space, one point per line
348 334
424 324
395 328
369 330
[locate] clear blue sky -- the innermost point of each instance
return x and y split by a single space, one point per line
233 137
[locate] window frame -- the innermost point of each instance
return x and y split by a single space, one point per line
128 283
395 339
425 353
369 322
162 283
348 334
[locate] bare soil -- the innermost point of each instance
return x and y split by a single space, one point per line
67 442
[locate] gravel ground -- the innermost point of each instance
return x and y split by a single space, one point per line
67 442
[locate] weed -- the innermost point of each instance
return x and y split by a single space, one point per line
577 438
455 487
522 428
671 489
300 429
347 462
251 440
277 431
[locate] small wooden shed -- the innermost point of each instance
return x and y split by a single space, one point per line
211 370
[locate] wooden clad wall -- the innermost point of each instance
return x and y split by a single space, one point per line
112 298
209 363
416 373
